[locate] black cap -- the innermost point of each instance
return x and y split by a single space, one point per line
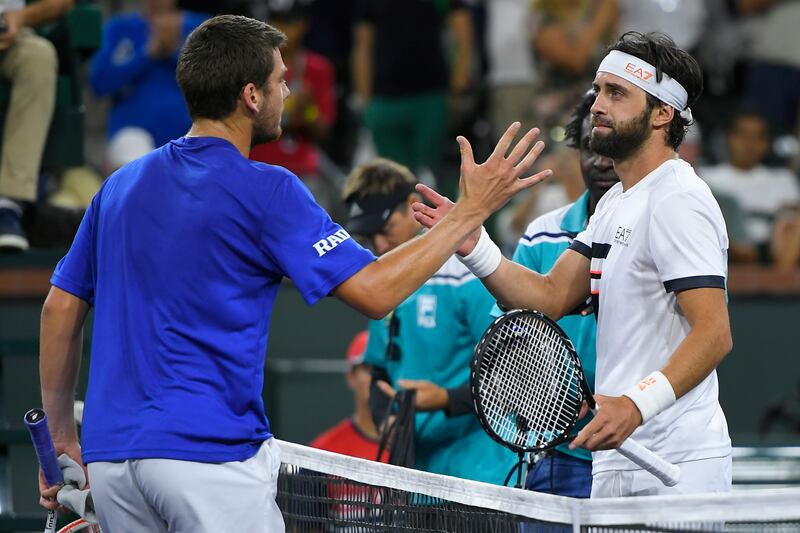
369 214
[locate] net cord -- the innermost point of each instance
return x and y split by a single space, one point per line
739 506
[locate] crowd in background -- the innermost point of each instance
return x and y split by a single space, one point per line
400 78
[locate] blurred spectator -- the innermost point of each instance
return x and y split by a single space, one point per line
357 435
683 20
330 34
511 66
400 74
773 77
744 183
136 67
29 63
786 241
569 39
309 110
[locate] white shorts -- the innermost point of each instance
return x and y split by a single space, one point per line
170 496
701 476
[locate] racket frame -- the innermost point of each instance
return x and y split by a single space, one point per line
479 356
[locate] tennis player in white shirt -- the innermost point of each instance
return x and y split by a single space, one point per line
653 258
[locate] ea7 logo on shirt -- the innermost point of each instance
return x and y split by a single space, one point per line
327 244
623 235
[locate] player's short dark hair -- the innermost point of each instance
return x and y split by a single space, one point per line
579 114
220 57
660 50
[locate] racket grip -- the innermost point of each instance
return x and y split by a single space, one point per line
36 422
668 473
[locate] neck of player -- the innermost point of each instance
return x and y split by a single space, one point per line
233 129
652 154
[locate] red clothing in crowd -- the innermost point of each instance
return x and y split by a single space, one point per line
311 73
347 439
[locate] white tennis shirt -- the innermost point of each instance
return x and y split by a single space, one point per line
663 235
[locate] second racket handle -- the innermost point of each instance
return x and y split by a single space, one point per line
668 473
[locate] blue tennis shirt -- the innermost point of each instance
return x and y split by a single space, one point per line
181 253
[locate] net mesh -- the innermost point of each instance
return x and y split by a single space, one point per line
528 385
325 492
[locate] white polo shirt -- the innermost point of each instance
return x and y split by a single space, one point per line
663 235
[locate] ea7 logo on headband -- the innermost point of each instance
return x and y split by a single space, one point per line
330 242
638 72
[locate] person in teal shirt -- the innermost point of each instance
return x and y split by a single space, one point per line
431 335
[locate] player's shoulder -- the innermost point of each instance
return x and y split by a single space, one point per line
680 181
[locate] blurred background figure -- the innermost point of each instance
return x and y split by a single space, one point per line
136 67
309 111
511 75
401 77
569 40
356 435
772 82
29 62
752 195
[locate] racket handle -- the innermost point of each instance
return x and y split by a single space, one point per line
36 422
668 473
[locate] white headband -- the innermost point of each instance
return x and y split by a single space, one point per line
643 75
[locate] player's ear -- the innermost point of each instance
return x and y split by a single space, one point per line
663 115
251 98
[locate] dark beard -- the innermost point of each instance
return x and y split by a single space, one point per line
263 135
624 140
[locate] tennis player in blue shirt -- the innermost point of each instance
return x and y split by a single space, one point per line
180 254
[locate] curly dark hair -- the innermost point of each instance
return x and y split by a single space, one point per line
660 50
579 114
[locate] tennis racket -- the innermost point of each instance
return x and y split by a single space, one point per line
528 387
36 422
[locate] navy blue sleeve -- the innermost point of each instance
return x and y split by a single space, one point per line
75 273
308 247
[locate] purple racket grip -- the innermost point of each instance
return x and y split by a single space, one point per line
36 422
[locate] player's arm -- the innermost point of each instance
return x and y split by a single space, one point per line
384 284
515 286
61 341
708 342
554 294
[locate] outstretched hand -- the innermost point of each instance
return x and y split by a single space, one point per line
486 187
428 216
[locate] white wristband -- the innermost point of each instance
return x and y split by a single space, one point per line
484 258
652 395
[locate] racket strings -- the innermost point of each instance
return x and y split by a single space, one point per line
529 383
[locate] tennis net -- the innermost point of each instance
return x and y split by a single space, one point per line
319 491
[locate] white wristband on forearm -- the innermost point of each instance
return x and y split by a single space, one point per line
484 258
652 395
